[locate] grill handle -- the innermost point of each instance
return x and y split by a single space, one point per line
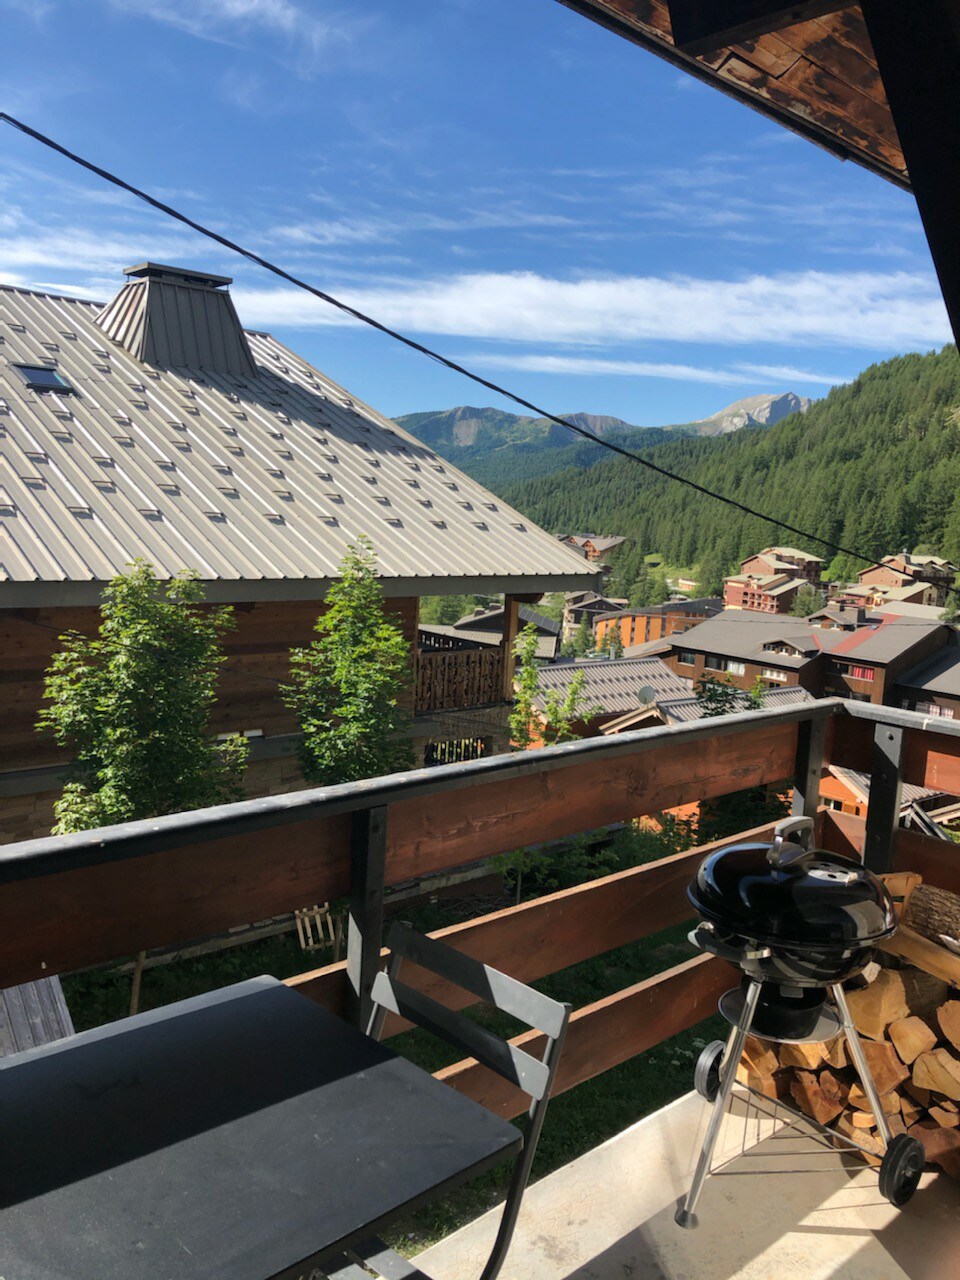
704 937
799 833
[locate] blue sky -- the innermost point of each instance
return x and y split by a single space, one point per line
500 178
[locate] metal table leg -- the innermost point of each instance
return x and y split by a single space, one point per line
685 1215
860 1062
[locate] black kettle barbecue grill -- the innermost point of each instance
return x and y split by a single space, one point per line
798 922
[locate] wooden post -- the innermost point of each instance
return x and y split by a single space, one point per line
511 625
811 737
883 813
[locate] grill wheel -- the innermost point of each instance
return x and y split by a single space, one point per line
901 1168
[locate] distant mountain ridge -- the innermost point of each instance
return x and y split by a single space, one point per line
467 427
497 447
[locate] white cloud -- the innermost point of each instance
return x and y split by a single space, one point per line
894 312
372 230
590 366
226 20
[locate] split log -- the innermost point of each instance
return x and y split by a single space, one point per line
933 913
822 1099
941 1146
944 1118
922 1097
885 1066
805 1056
895 994
836 1054
911 1037
910 1110
871 1148
759 1056
938 1070
948 1015
759 1083
890 1102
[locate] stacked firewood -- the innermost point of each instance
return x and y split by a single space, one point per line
909 1024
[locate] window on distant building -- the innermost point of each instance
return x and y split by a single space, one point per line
861 673
771 673
685 657
931 709
735 668
41 378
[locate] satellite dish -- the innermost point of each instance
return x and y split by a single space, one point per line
647 695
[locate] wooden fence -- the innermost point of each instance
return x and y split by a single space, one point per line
71 901
449 680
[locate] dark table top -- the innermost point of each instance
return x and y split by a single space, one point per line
241 1134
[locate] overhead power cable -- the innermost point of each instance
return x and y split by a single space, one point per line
407 341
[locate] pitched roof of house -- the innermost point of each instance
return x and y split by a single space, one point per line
259 483
547 645
859 785
598 543
685 709
616 684
738 634
476 621
939 674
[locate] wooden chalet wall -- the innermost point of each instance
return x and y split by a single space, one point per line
257 659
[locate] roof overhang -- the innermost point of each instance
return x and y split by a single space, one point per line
49 595
876 82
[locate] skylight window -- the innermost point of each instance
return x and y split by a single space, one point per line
42 378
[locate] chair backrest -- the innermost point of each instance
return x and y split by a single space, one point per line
534 1076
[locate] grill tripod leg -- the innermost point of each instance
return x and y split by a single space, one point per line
685 1215
860 1062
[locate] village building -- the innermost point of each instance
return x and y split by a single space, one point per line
926 579
783 560
933 686
762 593
157 427
638 626
611 687
590 605
863 663
484 629
596 548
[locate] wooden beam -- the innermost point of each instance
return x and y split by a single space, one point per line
71 919
938 861
917 46
511 625
464 825
703 26
604 1034
541 937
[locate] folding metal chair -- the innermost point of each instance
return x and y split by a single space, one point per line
534 1076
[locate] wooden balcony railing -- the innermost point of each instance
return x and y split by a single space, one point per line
448 680
72 901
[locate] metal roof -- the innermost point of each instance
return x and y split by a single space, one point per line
260 483
547 645
491 620
688 708
616 684
939 674
859 785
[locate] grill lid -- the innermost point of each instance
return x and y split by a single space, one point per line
783 894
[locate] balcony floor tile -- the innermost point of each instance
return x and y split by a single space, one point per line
609 1214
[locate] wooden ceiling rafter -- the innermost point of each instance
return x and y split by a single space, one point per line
702 26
